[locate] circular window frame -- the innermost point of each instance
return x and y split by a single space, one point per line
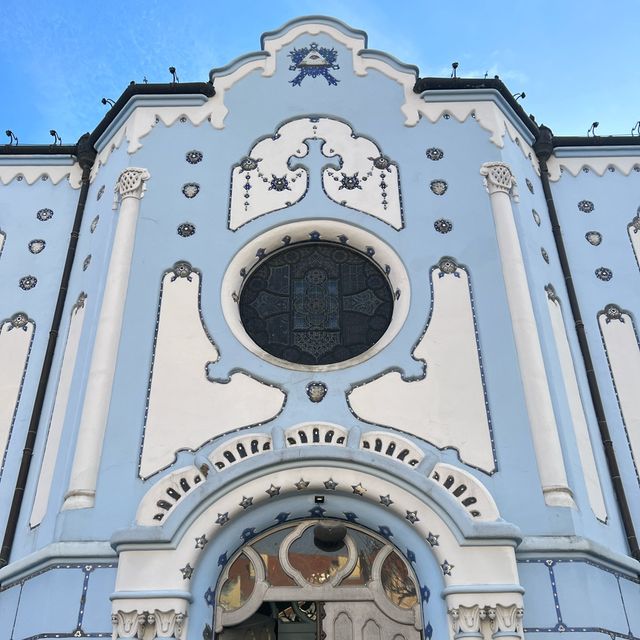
325 231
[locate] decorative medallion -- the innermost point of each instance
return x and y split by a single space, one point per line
350 182
316 303
613 312
381 162
19 321
193 156
36 246
249 164
100 192
448 266
94 224
433 153
316 391
279 184
438 187
545 255
186 229
443 226
313 61
44 214
536 216
593 237
529 185
86 262
28 282
182 270
604 274
190 189
586 206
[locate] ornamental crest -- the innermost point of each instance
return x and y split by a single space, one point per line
314 61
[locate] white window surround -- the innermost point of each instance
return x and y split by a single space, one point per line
329 231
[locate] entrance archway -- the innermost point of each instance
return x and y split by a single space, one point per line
318 579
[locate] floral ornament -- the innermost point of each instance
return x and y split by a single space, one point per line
182 270
186 229
545 255
529 185
313 61
604 274
433 153
36 246
193 157
19 321
44 214
100 192
448 266
279 184
86 262
613 312
190 189
316 391
536 217
443 226
586 206
27 282
94 224
249 164
349 182
593 237
439 187
381 162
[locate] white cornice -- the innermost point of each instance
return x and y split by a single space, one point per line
34 167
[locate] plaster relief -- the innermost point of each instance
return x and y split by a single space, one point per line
185 408
623 352
54 435
578 418
633 229
446 406
360 176
16 336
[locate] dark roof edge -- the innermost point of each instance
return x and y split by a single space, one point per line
596 141
136 89
38 150
448 84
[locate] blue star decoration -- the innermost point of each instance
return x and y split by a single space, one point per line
350 516
282 517
314 61
209 596
248 533
425 594
428 631
222 559
385 531
317 512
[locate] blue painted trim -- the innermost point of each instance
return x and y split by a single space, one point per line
596 152
39 160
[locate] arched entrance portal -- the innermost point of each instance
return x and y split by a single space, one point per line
318 579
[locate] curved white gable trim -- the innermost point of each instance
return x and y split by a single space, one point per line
625 164
34 168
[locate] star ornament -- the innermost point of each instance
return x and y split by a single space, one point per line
187 572
301 484
412 516
201 541
358 489
222 519
386 500
330 484
273 491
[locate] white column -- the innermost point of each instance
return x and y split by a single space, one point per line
500 185
82 484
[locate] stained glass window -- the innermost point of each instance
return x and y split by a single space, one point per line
316 303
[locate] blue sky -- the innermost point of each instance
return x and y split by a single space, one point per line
577 61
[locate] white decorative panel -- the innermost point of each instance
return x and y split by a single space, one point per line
185 408
360 176
446 406
52 445
578 418
623 351
16 335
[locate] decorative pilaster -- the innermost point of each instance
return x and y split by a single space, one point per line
129 190
501 186
148 625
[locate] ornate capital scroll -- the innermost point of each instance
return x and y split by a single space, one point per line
499 179
130 184
148 625
504 622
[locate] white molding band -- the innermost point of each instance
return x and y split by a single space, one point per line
501 185
82 484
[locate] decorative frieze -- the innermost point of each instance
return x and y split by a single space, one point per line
476 621
148 625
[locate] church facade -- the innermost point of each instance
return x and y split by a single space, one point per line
320 349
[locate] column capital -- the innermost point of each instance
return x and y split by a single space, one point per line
130 184
498 178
